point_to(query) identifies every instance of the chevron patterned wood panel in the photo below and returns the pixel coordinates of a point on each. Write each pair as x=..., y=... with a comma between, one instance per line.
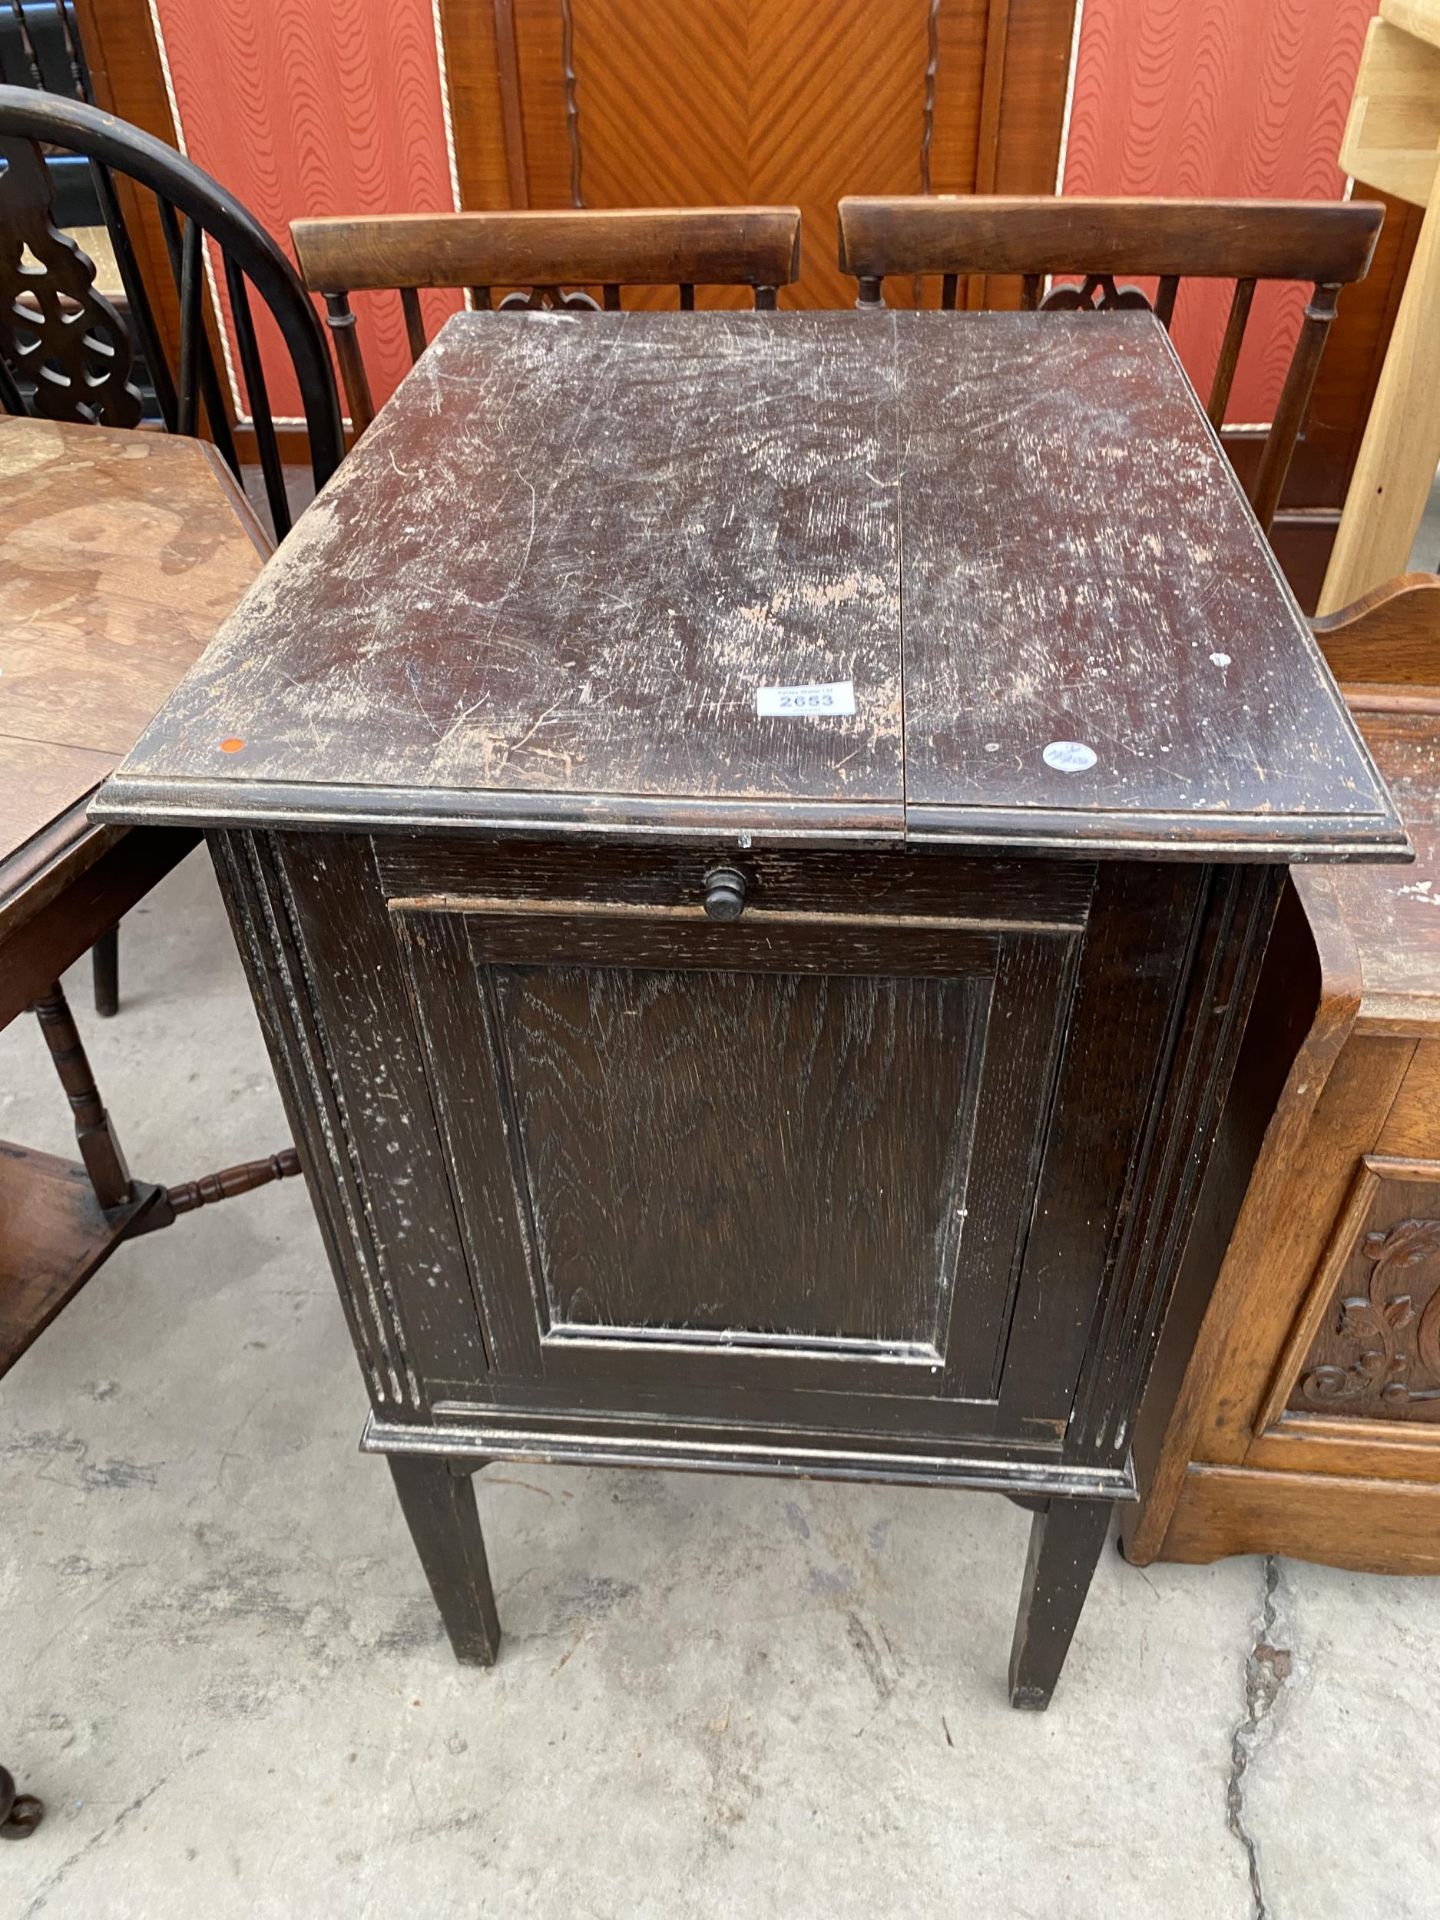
x=635, y=102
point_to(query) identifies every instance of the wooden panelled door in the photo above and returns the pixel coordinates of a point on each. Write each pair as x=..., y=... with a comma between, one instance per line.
x=691, y=1152
x=612, y=103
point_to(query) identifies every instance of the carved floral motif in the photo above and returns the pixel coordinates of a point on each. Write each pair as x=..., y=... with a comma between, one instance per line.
x=1371, y=1326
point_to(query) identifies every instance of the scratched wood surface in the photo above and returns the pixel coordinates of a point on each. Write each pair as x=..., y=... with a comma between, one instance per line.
x=120, y=554
x=1393, y=913
x=648, y=1129
x=560, y=563
x=1080, y=568
x=548, y=583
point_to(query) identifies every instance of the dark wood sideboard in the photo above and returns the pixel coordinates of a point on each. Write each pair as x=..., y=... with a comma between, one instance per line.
x=818, y=1094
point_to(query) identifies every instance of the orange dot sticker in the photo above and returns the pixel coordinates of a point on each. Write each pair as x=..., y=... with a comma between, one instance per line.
x=232, y=745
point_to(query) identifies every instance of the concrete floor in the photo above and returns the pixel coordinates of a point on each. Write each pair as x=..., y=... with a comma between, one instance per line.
x=716, y=1697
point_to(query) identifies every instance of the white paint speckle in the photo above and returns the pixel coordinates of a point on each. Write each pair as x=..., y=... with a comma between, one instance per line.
x=1219, y=659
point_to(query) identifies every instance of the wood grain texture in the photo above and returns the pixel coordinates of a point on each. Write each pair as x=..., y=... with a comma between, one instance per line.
x=1321, y=1352
x=594, y=687
x=1395, y=467
x=1151, y=629
x=399, y=1213
x=121, y=554
x=689, y=105
x=1395, y=918
x=477, y=106
x=755, y=246
x=64, y=889
x=1200, y=239
x=649, y=1105
x=613, y=1180
x=766, y=556
x=984, y=892
x=616, y=1154
x=746, y=100
x=1409, y=1132
x=1392, y=137
x=53, y=1235
x=127, y=78
x=1389, y=636
x=567, y=260
x=1372, y=1526
x=1420, y=17
x=1248, y=243
x=1361, y=1448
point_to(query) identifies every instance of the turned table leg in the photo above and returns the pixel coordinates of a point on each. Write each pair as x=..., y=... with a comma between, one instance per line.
x=99, y=1148
x=439, y=1508
x=105, y=973
x=1065, y=1543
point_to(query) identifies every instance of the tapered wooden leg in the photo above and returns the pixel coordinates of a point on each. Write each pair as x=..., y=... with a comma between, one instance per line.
x=105, y=971
x=1065, y=1543
x=439, y=1507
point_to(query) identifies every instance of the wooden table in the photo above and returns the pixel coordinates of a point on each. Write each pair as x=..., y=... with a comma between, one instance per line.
x=120, y=554
x=694, y=1074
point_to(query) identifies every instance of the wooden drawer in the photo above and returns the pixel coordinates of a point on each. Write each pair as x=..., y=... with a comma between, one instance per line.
x=877, y=882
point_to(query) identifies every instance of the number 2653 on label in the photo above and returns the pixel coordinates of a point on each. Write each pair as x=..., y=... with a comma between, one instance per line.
x=811, y=702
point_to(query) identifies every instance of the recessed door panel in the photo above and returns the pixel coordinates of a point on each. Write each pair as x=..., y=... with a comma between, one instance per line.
x=744, y=1154
x=799, y=1151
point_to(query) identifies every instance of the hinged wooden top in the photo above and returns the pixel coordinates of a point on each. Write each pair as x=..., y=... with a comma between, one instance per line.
x=546, y=588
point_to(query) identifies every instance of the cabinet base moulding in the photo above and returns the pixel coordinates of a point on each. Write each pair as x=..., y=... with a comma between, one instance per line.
x=1368, y=1526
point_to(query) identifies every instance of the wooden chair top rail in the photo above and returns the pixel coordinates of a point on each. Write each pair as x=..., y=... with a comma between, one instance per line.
x=634, y=246
x=1327, y=242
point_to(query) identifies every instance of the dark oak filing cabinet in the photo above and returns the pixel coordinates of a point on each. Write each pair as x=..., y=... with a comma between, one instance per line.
x=753, y=836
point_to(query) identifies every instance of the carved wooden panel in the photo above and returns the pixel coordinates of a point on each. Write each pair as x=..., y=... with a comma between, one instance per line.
x=58, y=335
x=1376, y=1353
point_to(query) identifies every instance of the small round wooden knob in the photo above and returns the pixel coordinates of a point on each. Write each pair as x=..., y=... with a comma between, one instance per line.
x=725, y=893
